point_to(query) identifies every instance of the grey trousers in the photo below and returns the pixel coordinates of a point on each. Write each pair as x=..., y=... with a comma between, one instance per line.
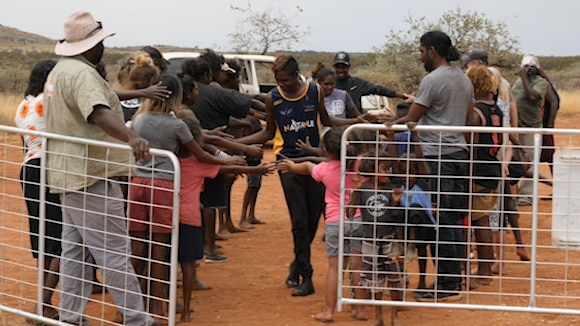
x=94, y=224
x=526, y=189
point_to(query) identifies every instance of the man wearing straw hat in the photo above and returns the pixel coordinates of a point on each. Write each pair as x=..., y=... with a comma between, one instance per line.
x=80, y=103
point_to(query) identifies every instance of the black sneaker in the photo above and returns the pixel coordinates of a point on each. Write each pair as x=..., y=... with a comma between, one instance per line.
x=293, y=279
x=438, y=296
x=291, y=283
x=305, y=288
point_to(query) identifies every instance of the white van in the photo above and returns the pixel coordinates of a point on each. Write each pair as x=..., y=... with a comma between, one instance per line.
x=256, y=75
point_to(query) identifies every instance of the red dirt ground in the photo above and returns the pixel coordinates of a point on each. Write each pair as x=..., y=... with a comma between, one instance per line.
x=249, y=288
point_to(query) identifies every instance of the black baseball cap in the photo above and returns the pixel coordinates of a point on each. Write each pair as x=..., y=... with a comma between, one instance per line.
x=341, y=57
x=476, y=55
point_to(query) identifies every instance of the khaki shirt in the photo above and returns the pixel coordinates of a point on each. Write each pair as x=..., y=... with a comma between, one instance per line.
x=530, y=112
x=73, y=89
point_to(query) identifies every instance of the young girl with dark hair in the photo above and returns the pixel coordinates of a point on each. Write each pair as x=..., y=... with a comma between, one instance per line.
x=30, y=116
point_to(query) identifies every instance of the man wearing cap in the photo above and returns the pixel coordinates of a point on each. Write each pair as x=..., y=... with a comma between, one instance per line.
x=530, y=92
x=80, y=103
x=357, y=87
x=475, y=58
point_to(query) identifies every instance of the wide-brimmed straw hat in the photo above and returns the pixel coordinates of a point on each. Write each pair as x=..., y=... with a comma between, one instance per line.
x=81, y=33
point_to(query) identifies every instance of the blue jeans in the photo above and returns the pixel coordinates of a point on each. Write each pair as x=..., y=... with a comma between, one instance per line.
x=449, y=187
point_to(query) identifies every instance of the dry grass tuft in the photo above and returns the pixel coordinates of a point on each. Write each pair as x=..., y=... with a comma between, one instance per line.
x=569, y=104
x=8, y=105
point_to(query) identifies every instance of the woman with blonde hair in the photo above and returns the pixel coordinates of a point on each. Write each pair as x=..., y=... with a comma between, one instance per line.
x=151, y=190
x=507, y=211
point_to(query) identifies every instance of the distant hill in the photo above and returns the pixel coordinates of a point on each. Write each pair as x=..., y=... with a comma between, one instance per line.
x=13, y=35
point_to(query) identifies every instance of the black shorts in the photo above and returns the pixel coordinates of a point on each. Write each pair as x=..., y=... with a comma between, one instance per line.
x=190, y=243
x=254, y=179
x=214, y=192
x=30, y=180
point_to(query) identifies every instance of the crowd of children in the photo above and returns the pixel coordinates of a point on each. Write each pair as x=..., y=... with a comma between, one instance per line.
x=391, y=216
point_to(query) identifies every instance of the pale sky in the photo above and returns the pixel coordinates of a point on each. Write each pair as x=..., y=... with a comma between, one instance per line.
x=543, y=27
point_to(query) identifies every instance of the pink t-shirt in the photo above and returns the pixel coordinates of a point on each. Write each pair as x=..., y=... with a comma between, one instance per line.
x=329, y=174
x=192, y=174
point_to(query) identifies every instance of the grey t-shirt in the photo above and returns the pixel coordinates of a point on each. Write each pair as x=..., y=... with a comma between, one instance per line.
x=447, y=93
x=163, y=131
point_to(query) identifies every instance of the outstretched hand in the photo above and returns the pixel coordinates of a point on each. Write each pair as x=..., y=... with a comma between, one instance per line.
x=305, y=146
x=235, y=160
x=157, y=92
x=219, y=131
x=397, y=194
x=267, y=168
x=357, y=180
x=255, y=150
x=140, y=148
x=285, y=165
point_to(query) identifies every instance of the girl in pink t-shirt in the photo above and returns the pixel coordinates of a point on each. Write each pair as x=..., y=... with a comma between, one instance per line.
x=193, y=173
x=328, y=173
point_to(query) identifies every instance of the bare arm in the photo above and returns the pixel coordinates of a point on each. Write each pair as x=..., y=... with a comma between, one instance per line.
x=416, y=111
x=206, y=157
x=551, y=98
x=356, y=185
x=531, y=93
x=265, y=134
x=392, y=149
x=473, y=119
x=264, y=169
x=103, y=117
x=304, y=168
x=157, y=91
x=422, y=166
x=250, y=150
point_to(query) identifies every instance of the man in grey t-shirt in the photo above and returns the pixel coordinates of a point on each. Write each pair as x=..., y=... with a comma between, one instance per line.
x=445, y=98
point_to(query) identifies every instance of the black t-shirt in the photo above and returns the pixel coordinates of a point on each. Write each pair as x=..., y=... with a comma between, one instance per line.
x=487, y=166
x=378, y=215
x=357, y=88
x=214, y=105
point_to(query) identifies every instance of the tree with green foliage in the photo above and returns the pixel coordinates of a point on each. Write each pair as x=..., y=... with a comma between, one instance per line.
x=468, y=31
x=259, y=31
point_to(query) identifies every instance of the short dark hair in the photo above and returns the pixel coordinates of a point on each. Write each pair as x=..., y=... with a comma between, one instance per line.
x=372, y=159
x=235, y=65
x=331, y=141
x=188, y=84
x=214, y=59
x=285, y=63
x=195, y=67
x=38, y=76
x=441, y=43
x=323, y=73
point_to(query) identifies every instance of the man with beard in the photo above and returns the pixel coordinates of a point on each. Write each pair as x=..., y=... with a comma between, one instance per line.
x=80, y=103
x=358, y=87
x=445, y=98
